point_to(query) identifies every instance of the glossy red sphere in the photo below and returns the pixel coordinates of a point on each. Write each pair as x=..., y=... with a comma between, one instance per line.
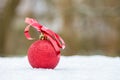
x=41, y=54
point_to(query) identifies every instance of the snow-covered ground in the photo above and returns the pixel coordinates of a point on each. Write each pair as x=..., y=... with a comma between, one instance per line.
x=69, y=68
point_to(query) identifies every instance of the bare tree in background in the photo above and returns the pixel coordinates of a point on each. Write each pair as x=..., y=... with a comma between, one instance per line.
x=99, y=20
x=106, y=12
x=86, y=25
x=68, y=32
x=7, y=14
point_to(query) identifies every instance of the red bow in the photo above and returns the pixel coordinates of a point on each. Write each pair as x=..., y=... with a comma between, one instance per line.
x=54, y=38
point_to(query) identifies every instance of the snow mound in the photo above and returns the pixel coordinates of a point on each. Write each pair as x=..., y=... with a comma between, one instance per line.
x=69, y=68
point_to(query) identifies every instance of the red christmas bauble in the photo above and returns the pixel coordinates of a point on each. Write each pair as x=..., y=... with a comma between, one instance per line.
x=41, y=54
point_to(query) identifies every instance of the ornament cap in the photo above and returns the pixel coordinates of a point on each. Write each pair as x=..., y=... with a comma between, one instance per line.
x=42, y=36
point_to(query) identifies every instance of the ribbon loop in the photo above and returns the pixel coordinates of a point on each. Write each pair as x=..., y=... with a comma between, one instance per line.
x=54, y=38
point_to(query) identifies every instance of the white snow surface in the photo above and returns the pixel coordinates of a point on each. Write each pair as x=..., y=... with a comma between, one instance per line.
x=69, y=68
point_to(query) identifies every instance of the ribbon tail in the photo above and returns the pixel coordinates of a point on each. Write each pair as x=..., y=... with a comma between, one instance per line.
x=54, y=44
x=60, y=41
x=26, y=32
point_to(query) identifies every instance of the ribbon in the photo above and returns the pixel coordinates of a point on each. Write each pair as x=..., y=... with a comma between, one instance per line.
x=54, y=38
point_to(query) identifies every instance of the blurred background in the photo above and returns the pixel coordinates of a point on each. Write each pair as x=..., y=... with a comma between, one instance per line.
x=89, y=27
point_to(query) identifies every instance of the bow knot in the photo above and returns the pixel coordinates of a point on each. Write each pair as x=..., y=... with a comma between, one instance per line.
x=54, y=38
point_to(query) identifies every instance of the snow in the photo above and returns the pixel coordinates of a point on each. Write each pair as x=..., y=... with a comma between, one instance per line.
x=69, y=68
